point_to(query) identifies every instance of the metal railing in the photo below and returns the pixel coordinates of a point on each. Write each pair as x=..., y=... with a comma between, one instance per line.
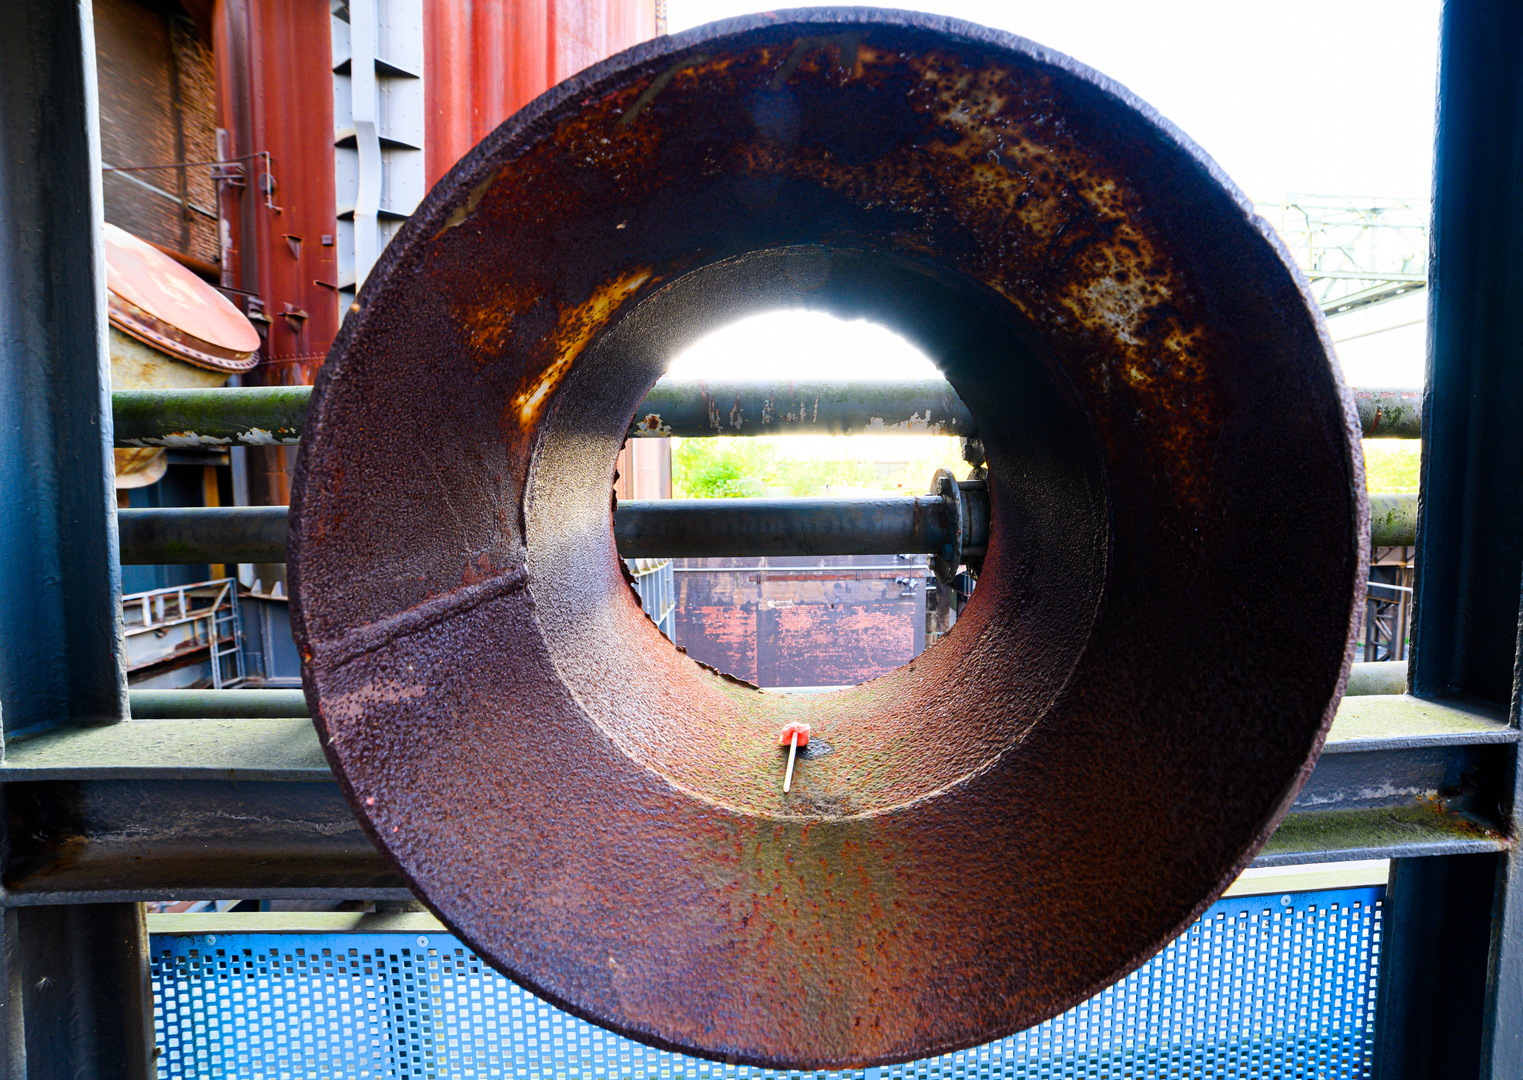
x=168, y=628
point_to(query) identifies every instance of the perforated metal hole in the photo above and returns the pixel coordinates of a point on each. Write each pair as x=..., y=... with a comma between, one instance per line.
x=1259, y=987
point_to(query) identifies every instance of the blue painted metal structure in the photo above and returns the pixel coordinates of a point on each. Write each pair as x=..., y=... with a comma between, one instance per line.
x=74, y=978
x=1455, y=1005
x=1265, y=986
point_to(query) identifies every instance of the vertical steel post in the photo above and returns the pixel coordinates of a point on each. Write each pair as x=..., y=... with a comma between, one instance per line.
x=1455, y=922
x=60, y=633
x=75, y=996
x=88, y=1003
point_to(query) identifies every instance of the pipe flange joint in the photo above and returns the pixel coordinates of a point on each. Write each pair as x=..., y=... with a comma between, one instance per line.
x=944, y=563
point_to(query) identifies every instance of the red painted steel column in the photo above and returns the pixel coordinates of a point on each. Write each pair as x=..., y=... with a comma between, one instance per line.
x=275, y=80
x=484, y=61
x=292, y=110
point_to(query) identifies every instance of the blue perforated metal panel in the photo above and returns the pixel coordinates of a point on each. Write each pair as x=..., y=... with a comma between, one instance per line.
x=1260, y=987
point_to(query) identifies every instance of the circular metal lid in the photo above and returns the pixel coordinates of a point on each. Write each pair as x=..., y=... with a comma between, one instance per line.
x=161, y=303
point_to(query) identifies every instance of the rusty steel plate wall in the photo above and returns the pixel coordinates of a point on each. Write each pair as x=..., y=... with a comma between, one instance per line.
x=1028, y=810
x=823, y=620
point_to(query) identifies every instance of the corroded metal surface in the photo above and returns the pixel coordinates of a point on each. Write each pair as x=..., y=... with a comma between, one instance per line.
x=1393, y=520
x=1009, y=823
x=156, y=300
x=829, y=621
x=245, y=415
x=686, y=409
x=1390, y=414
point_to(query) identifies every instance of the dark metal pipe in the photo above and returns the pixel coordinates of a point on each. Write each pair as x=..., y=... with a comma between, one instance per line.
x=676, y=528
x=695, y=528
x=667, y=528
x=224, y=534
x=262, y=415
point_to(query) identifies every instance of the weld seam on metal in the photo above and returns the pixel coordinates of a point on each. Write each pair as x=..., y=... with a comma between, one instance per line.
x=415, y=620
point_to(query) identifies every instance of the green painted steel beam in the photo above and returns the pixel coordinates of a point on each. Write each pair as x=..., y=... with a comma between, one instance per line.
x=249, y=807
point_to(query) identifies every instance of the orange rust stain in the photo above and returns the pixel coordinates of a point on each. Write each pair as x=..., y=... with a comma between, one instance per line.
x=1063, y=236
x=480, y=570
x=658, y=84
x=575, y=328
x=487, y=325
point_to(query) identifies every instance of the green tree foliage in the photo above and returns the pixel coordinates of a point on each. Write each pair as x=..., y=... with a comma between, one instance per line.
x=751, y=468
x=721, y=468
x=1391, y=465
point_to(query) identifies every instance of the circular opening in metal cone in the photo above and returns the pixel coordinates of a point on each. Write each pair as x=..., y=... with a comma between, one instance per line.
x=909, y=734
x=1030, y=809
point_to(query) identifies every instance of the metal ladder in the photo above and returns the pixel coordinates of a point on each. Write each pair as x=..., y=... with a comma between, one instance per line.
x=226, y=637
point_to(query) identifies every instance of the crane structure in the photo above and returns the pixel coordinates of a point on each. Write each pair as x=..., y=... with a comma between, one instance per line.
x=1357, y=250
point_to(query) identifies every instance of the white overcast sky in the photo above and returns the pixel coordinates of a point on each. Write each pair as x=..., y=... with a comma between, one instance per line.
x=1330, y=97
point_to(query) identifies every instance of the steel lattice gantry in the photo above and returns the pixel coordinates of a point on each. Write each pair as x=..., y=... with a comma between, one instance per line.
x=101, y=813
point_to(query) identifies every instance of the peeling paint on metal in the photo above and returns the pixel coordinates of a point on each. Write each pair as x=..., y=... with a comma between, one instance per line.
x=916, y=424
x=652, y=427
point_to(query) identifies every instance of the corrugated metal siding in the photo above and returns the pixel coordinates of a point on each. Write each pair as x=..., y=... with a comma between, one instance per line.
x=488, y=59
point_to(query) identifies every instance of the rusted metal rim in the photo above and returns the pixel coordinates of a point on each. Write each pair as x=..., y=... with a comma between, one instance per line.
x=1004, y=826
x=140, y=324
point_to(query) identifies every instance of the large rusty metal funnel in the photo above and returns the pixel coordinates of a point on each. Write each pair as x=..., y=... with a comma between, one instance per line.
x=975, y=841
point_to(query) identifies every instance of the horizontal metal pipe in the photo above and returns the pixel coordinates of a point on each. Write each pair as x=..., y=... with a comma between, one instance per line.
x=675, y=528
x=196, y=534
x=666, y=528
x=239, y=703
x=1365, y=680
x=695, y=528
x=263, y=415
x=1390, y=414
x=234, y=415
x=253, y=703
x=1393, y=520
x=698, y=408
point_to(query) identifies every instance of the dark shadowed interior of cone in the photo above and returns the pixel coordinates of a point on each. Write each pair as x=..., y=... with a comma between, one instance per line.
x=999, y=829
